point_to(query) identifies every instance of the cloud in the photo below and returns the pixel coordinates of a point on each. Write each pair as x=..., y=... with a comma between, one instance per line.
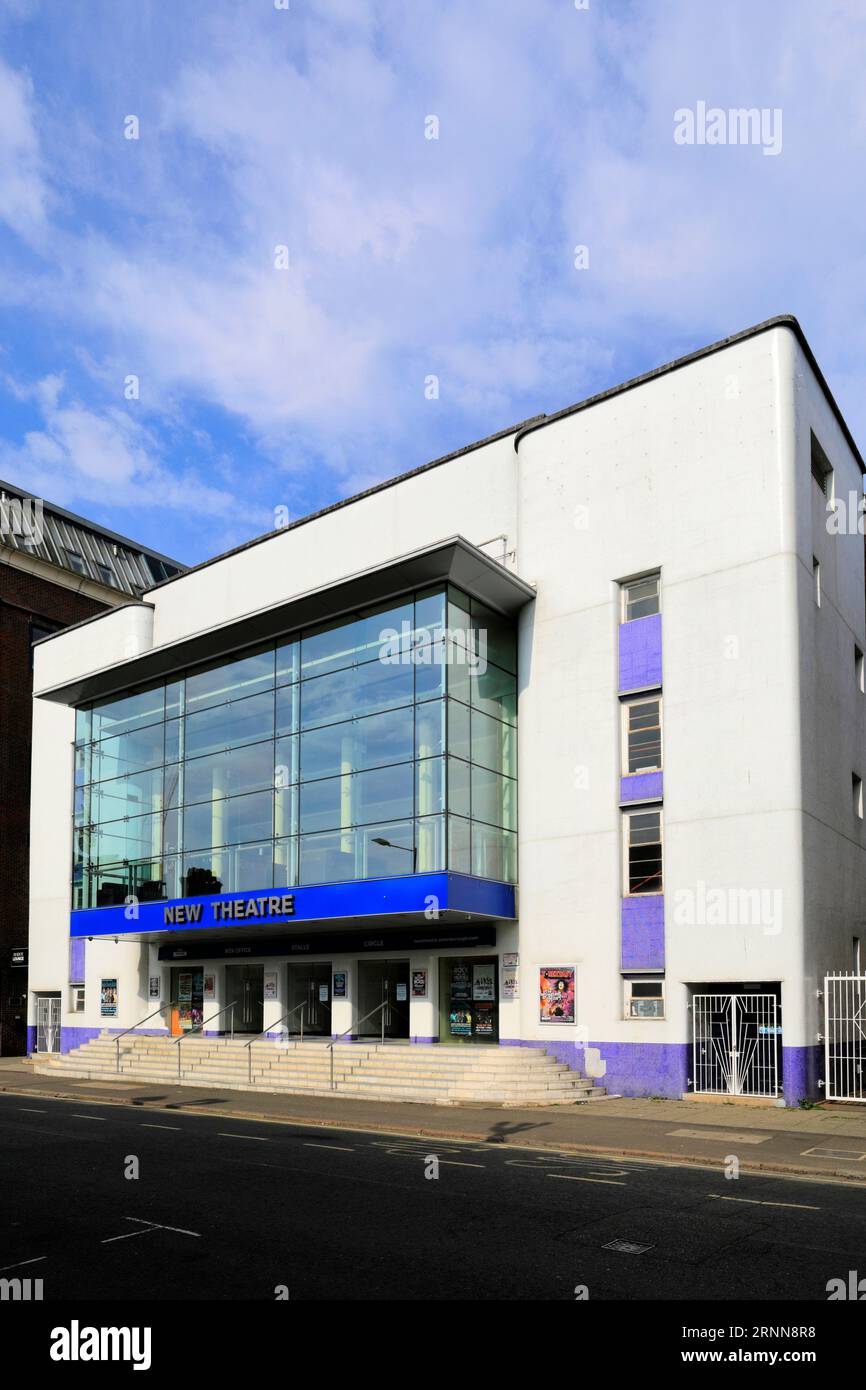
x=23, y=194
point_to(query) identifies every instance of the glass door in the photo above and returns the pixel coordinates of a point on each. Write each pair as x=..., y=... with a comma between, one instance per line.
x=245, y=985
x=187, y=992
x=310, y=999
x=468, y=1000
x=383, y=982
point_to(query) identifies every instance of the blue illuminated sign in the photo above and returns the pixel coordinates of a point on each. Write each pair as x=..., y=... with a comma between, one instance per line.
x=429, y=895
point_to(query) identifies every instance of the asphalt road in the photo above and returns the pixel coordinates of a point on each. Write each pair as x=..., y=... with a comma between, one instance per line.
x=229, y=1209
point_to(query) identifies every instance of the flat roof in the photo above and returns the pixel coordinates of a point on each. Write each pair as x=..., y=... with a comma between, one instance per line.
x=535, y=422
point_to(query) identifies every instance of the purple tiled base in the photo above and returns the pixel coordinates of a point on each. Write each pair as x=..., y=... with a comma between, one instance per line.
x=642, y=933
x=630, y=1069
x=802, y=1068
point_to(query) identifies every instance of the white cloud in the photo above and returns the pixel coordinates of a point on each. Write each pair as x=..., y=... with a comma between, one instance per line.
x=23, y=194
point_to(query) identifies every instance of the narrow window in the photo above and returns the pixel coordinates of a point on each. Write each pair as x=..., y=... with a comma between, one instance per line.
x=76, y=1002
x=640, y=597
x=858, y=960
x=76, y=562
x=816, y=580
x=822, y=469
x=105, y=574
x=858, y=668
x=642, y=735
x=857, y=795
x=644, y=998
x=643, y=852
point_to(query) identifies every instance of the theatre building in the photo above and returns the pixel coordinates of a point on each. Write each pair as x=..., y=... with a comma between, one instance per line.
x=555, y=744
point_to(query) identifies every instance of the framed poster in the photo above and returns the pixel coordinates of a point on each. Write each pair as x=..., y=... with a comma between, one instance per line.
x=483, y=982
x=556, y=994
x=271, y=984
x=209, y=987
x=400, y=992
x=108, y=998
x=510, y=960
x=460, y=1022
x=461, y=981
x=510, y=988
x=341, y=980
x=419, y=984
x=154, y=987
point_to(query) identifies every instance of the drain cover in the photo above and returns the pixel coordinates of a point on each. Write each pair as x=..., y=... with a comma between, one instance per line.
x=627, y=1247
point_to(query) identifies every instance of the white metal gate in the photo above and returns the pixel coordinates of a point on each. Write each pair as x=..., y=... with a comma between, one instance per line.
x=47, y=1023
x=845, y=1037
x=736, y=1044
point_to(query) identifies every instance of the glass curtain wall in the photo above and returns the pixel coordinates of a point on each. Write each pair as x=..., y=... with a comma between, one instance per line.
x=379, y=745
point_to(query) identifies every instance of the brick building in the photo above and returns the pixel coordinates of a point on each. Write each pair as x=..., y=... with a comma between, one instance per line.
x=56, y=569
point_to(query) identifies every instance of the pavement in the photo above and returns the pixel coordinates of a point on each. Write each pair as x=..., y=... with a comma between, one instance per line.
x=827, y=1141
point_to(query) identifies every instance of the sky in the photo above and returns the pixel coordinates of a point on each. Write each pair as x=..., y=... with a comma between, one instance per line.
x=256, y=256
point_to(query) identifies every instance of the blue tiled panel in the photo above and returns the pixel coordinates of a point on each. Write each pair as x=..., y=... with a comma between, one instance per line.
x=640, y=653
x=643, y=932
x=641, y=786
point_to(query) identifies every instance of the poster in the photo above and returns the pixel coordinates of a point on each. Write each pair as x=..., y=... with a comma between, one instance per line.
x=510, y=960
x=483, y=982
x=419, y=984
x=510, y=984
x=154, y=987
x=461, y=1022
x=271, y=984
x=401, y=992
x=209, y=990
x=556, y=994
x=484, y=1016
x=340, y=984
x=108, y=998
x=461, y=981
x=323, y=994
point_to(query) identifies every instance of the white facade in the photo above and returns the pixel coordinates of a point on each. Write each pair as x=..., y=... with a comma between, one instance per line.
x=700, y=473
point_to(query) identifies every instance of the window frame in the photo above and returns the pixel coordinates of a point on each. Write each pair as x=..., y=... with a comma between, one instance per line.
x=626, y=706
x=626, y=584
x=627, y=814
x=628, y=998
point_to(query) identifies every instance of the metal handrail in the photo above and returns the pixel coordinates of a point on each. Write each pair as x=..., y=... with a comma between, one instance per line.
x=199, y=1026
x=351, y=1028
x=170, y=1005
x=248, y=1045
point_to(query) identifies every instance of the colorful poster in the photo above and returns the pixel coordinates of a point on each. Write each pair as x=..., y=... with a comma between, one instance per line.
x=483, y=982
x=210, y=987
x=271, y=984
x=484, y=1021
x=108, y=998
x=556, y=994
x=341, y=981
x=419, y=984
x=510, y=960
x=461, y=981
x=461, y=1022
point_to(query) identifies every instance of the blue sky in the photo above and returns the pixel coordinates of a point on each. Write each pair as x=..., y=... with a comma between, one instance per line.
x=262, y=387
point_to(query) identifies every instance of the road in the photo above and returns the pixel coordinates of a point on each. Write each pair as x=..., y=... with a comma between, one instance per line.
x=233, y=1210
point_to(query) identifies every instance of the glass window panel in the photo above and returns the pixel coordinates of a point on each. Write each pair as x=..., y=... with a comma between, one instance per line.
x=286, y=863
x=457, y=668
x=230, y=680
x=644, y=736
x=171, y=828
x=81, y=806
x=430, y=729
x=204, y=872
x=224, y=726
x=172, y=794
x=363, y=639
x=429, y=661
x=644, y=852
x=230, y=774
x=83, y=724
x=174, y=698
x=394, y=858
x=458, y=729
x=431, y=612
x=357, y=745
x=430, y=837
x=80, y=846
x=493, y=798
x=125, y=712
x=137, y=838
x=362, y=797
x=458, y=787
x=362, y=690
x=494, y=637
x=459, y=846
x=200, y=825
x=249, y=867
x=130, y=752
x=494, y=853
x=287, y=709
x=138, y=794
x=641, y=598
x=288, y=661
x=148, y=882
x=327, y=858
x=247, y=818
x=494, y=692
x=494, y=744
x=83, y=756
x=286, y=761
x=430, y=786
x=325, y=804
x=110, y=885
x=174, y=741
x=286, y=811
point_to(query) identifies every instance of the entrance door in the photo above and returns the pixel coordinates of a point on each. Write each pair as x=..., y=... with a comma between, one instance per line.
x=245, y=984
x=383, y=982
x=187, y=994
x=736, y=1044
x=310, y=999
x=47, y=1022
x=468, y=999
